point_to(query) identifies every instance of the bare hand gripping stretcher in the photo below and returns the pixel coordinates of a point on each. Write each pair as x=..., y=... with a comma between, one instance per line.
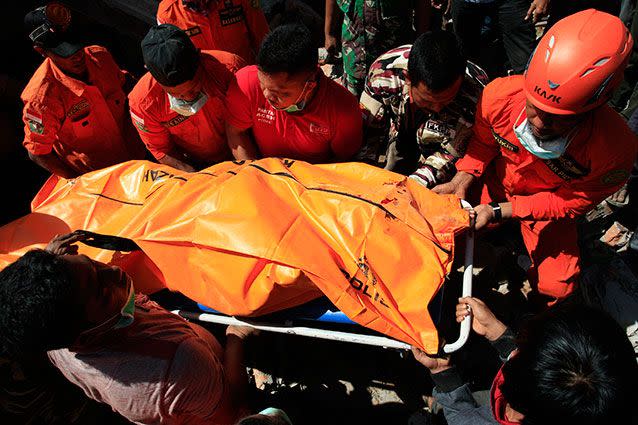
x=250, y=238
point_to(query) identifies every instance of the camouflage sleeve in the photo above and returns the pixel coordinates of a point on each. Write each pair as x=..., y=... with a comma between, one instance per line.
x=375, y=97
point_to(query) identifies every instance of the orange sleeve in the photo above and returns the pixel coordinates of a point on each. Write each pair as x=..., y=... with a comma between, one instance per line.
x=256, y=22
x=482, y=147
x=154, y=135
x=43, y=115
x=609, y=171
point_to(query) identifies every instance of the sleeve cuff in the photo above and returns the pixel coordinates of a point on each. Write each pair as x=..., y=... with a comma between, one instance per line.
x=448, y=380
x=505, y=344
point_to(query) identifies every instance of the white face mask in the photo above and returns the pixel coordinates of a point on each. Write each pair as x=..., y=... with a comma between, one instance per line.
x=544, y=149
x=188, y=107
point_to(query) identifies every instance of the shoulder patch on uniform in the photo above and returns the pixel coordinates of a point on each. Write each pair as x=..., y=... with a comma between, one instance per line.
x=138, y=122
x=615, y=177
x=503, y=142
x=34, y=122
x=255, y=4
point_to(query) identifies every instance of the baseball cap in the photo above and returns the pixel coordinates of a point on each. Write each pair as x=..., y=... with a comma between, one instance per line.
x=170, y=55
x=47, y=27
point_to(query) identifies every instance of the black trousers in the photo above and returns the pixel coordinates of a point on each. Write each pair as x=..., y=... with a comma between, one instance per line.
x=507, y=17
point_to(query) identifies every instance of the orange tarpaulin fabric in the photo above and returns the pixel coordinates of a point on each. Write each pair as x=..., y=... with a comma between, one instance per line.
x=249, y=238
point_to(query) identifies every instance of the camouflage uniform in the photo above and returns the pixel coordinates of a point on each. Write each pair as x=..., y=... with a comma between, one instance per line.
x=411, y=137
x=371, y=27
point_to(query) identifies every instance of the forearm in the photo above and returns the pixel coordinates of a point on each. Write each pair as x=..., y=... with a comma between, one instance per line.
x=241, y=144
x=173, y=160
x=549, y=206
x=52, y=163
x=332, y=19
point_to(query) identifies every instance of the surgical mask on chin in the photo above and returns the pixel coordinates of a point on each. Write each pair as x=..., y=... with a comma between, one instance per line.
x=543, y=149
x=188, y=107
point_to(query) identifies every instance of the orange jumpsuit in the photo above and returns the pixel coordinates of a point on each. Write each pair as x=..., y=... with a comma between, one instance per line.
x=86, y=125
x=547, y=195
x=201, y=136
x=236, y=26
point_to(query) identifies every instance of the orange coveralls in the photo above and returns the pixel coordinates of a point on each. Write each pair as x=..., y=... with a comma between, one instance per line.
x=86, y=125
x=236, y=26
x=201, y=136
x=547, y=195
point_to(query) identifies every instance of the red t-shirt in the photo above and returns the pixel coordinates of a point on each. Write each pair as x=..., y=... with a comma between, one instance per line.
x=330, y=126
x=202, y=136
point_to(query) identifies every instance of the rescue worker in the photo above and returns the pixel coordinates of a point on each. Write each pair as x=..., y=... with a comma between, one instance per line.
x=286, y=107
x=236, y=26
x=178, y=105
x=75, y=110
x=418, y=106
x=547, y=148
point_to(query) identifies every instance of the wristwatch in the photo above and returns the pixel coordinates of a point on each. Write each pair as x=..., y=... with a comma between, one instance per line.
x=498, y=213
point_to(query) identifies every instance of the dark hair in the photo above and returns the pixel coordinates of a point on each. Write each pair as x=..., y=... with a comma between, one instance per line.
x=574, y=365
x=436, y=60
x=37, y=311
x=288, y=48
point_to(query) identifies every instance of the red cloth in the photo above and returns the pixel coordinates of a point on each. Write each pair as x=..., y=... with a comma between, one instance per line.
x=202, y=136
x=547, y=195
x=498, y=401
x=236, y=26
x=330, y=126
x=602, y=154
x=86, y=125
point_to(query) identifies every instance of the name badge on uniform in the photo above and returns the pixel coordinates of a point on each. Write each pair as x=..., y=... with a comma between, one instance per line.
x=231, y=14
x=503, y=142
x=566, y=167
x=193, y=31
x=79, y=110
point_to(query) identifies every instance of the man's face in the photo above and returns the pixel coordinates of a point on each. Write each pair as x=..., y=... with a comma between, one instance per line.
x=283, y=90
x=74, y=64
x=424, y=98
x=101, y=290
x=546, y=126
x=187, y=91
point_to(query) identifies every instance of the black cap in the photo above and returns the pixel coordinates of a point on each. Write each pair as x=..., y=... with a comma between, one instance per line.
x=49, y=35
x=170, y=55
